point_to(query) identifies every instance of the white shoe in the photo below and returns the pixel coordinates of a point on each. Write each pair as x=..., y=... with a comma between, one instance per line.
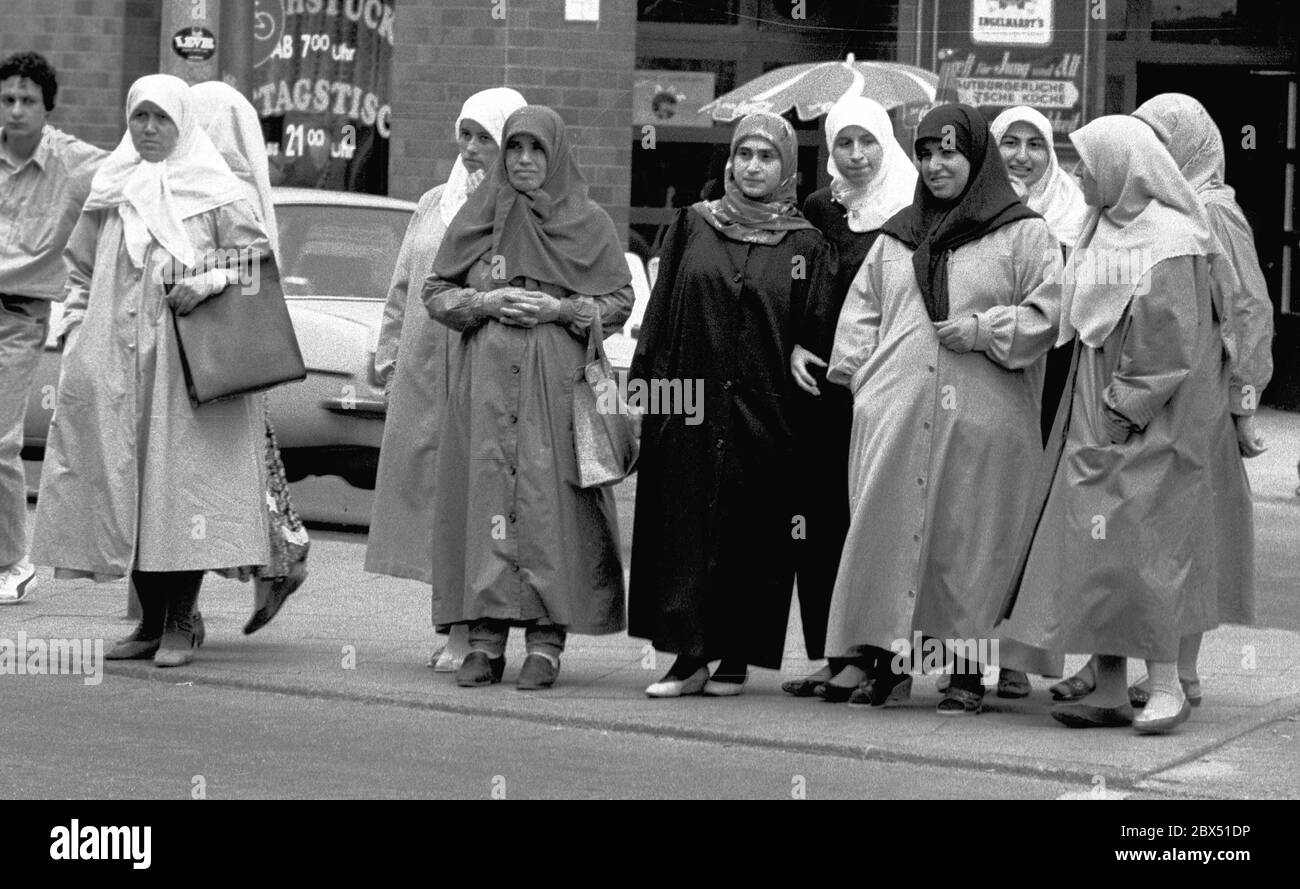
x=675, y=688
x=17, y=582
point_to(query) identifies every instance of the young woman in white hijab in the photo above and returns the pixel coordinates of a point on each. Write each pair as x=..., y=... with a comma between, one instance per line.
x=413, y=361
x=1123, y=554
x=232, y=124
x=872, y=178
x=136, y=479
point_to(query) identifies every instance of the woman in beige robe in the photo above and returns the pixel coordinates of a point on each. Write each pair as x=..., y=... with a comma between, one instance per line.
x=414, y=360
x=137, y=479
x=941, y=339
x=1123, y=555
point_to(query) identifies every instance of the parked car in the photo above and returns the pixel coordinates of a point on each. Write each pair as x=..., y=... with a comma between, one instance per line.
x=338, y=250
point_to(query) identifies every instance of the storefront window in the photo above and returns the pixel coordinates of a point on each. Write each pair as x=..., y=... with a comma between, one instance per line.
x=691, y=12
x=1227, y=22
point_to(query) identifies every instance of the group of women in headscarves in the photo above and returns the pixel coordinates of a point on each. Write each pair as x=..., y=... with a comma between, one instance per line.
x=877, y=391
x=927, y=359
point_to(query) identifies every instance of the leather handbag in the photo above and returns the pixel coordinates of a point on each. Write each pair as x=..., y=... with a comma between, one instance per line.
x=240, y=340
x=603, y=436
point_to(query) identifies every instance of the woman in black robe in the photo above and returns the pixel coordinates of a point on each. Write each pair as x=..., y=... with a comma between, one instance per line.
x=742, y=281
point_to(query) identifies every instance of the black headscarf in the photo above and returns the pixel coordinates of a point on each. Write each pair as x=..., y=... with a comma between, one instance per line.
x=932, y=227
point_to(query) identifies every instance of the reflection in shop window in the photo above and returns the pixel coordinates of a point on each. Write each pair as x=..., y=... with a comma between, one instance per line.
x=1228, y=22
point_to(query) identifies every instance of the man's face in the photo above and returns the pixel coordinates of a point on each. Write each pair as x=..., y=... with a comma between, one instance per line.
x=22, y=108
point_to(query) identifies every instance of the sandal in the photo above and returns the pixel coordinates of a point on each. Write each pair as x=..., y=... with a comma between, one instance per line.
x=1071, y=689
x=960, y=702
x=880, y=692
x=1140, y=692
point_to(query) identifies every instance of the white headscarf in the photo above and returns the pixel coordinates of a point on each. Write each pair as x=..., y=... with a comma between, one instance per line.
x=1055, y=196
x=1148, y=213
x=232, y=124
x=489, y=109
x=893, y=184
x=153, y=199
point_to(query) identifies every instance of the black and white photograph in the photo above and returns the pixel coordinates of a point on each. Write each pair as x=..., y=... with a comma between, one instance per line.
x=651, y=400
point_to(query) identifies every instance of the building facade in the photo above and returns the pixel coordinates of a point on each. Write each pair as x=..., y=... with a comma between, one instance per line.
x=620, y=70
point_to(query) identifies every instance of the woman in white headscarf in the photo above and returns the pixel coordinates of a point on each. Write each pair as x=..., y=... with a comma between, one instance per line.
x=412, y=358
x=1024, y=137
x=1185, y=128
x=136, y=478
x=1123, y=554
x=872, y=178
x=232, y=124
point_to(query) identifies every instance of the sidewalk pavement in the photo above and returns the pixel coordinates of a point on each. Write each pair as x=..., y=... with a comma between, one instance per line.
x=348, y=635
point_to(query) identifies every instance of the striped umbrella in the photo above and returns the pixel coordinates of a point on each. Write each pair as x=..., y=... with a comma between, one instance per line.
x=812, y=88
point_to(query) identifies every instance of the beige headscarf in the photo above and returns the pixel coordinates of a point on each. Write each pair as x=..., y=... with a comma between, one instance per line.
x=154, y=199
x=489, y=109
x=891, y=188
x=232, y=124
x=1148, y=213
x=1056, y=196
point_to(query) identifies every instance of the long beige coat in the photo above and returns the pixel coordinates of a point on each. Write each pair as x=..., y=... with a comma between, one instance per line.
x=942, y=441
x=1123, y=559
x=412, y=359
x=135, y=477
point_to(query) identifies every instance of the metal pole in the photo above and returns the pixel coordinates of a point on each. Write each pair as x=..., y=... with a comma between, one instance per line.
x=188, y=39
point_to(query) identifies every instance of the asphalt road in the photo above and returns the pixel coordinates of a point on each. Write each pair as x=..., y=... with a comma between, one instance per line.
x=234, y=743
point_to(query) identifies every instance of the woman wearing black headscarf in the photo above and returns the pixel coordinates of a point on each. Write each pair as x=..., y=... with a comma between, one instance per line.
x=743, y=282
x=941, y=340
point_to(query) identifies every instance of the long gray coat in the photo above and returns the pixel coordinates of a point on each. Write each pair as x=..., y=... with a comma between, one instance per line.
x=135, y=477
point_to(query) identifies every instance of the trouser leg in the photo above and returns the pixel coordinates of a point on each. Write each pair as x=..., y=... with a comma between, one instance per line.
x=545, y=639
x=23, y=325
x=489, y=637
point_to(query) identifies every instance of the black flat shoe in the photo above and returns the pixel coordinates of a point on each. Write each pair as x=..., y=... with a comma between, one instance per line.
x=1076, y=715
x=479, y=669
x=801, y=688
x=538, y=672
x=880, y=692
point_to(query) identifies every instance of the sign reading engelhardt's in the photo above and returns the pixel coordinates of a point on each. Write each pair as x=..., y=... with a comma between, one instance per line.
x=995, y=54
x=322, y=75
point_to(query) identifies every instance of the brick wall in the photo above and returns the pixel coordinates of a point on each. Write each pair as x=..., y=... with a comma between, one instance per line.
x=98, y=47
x=447, y=50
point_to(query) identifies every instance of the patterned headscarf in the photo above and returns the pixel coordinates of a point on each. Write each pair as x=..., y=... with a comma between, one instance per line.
x=765, y=221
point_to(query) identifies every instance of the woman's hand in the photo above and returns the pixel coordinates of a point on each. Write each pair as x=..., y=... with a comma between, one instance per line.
x=189, y=291
x=800, y=358
x=1116, y=426
x=957, y=334
x=1249, y=442
x=498, y=305
x=533, y=306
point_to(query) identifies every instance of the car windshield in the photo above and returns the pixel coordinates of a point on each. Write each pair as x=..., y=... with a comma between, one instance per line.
x=333, y=250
